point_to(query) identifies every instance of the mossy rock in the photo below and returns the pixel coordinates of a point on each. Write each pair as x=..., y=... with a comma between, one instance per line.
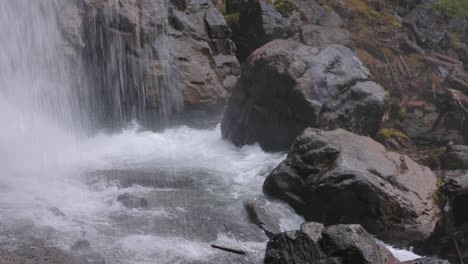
x=232, y=20
x=394, y=139
x=452, y=8
x=284, y=7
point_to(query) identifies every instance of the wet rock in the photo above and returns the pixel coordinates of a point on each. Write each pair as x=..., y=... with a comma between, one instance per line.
x=260, y=213
x=131, y=201
x=56, y=211
x=313, y=230
x=352, y=244
x=260, y=22
x=455, y=157
x=428, y=27
x=286, y=87
x=340, y=177
x=160, y=179
x=336, y=244
x=144, y=47
x=427, y=261
x=293, y=247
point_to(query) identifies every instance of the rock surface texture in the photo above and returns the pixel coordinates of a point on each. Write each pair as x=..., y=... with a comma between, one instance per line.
x=339, y=177
x=319, y=245
x=148, y=60
x=287, y=86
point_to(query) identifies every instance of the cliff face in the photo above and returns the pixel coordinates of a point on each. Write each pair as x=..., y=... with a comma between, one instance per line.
x=150, y=59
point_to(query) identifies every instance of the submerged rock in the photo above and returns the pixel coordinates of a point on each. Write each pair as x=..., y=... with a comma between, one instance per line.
x=335, y=244
x=131, y=201
x=261, y=214
x=340, y=177
x=37, y=252
x=286, y=87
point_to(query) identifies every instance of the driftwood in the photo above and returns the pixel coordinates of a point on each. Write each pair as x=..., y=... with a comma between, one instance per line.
x=447, y=58
x=405, y=65
x=230, y=250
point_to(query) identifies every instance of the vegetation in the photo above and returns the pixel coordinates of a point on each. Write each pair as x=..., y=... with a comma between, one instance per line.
x=452, y=8
x=232, y=19
x=284, y=7
x=386, y=133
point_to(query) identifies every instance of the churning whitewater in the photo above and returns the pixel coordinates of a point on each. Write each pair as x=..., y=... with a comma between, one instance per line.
x=132, y=196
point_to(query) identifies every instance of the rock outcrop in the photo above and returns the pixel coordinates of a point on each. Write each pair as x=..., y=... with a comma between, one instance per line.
x=339, y=177
x=286, y=87
x=316, y=244
x=146, y=60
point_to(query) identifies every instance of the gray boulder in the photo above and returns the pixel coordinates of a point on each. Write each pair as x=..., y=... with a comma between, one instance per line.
x=339, y=244
x=340, y=177
x=427, y=261
x=286, y=87
x=150, y=61
x=318, y=36
x=428, y=28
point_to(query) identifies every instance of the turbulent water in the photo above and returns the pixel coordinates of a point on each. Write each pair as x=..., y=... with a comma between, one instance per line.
x=61, y=186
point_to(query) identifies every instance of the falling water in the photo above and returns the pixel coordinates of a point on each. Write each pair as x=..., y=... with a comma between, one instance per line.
x=60, y=185
x=130, y=63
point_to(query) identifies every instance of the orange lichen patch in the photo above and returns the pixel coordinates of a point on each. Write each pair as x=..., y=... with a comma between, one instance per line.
x=415, y=104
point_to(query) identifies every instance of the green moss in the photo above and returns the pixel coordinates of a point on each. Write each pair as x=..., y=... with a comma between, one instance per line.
x=397, y=112
x=452, y=8
x=386, y=133
x=284, y=7
x=439, y=198
x=232, y=19
x=362, y=7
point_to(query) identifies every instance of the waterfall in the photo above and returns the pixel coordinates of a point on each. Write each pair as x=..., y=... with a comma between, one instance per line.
x=37, y=99
x=129, y=62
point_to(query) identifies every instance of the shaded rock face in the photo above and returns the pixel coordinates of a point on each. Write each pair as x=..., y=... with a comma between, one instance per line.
x=260, y=22
x=339, y=177
x=131, y=201
x=336, y=244
x=286, y=87
x=455, y=158
x=148, y=61
x=261, y=215
x=428, y=28
x=427, y=261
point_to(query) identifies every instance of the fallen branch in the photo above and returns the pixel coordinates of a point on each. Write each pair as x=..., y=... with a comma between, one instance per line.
x=231, y=250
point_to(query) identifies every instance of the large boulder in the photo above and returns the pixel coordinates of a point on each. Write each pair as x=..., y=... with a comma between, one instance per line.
x=286, y=86
x=315, y=244
x=340, y=177
x=261, y=21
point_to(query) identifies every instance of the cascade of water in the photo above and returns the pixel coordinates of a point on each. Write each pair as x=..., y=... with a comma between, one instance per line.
x=36, y=95
x=131, y=63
